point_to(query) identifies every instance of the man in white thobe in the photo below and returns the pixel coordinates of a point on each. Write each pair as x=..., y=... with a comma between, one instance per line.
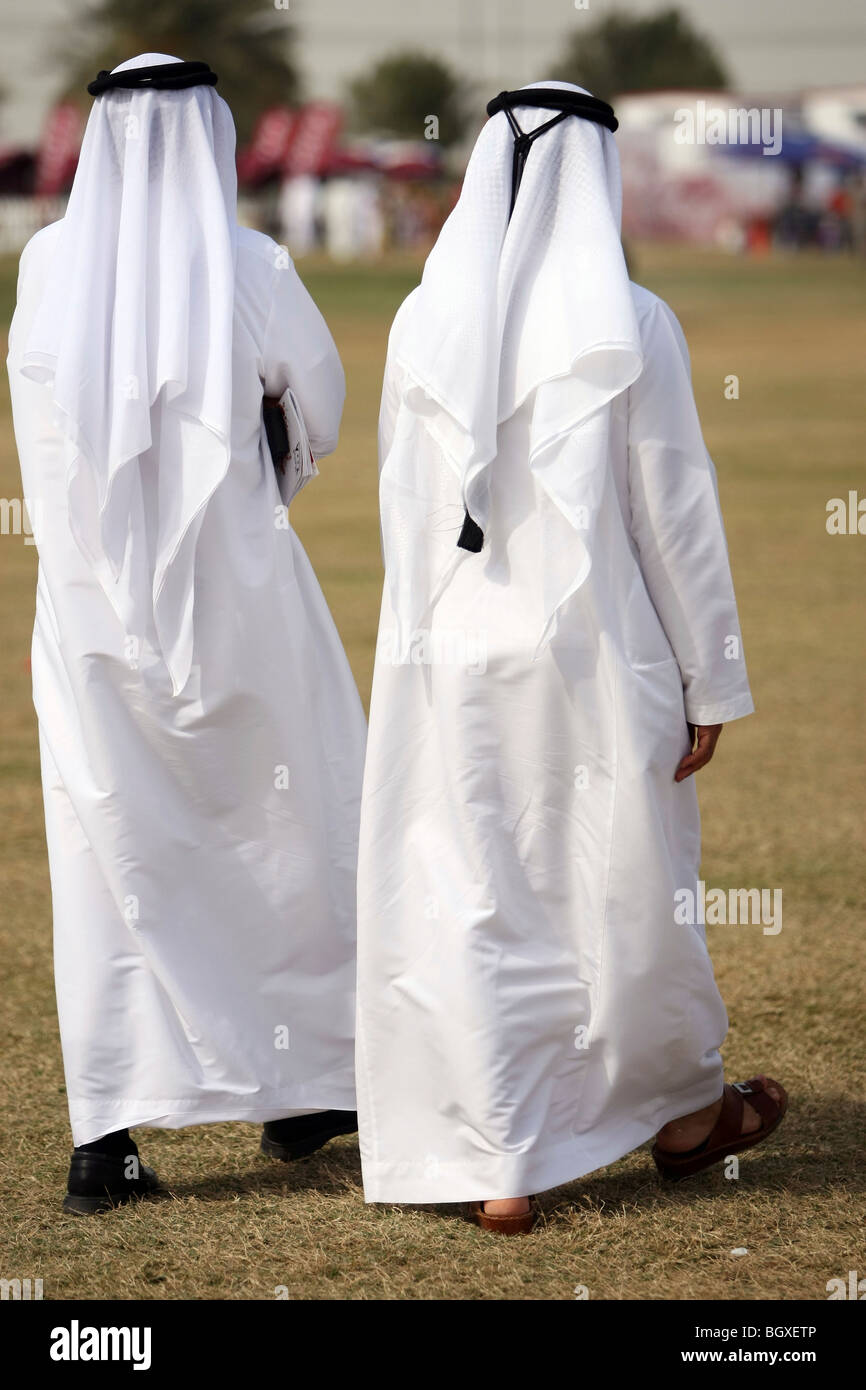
x=201, y=736
x=558, y=626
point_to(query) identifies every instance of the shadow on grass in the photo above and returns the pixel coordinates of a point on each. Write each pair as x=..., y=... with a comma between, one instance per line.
x=815, y=1151
x=332, y=1173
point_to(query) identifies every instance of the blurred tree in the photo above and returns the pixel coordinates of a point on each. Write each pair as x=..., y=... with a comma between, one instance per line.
x=627, y=53
x=402, y=92
x=248, y=43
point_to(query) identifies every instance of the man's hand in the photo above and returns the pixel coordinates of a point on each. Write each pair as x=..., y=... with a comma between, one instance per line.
x=704, y=740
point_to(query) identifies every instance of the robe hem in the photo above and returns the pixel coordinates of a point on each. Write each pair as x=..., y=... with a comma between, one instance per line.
x=521, y=1175
x=216, y=1109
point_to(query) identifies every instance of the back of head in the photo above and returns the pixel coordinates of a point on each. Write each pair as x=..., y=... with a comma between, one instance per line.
x=525, y=302
x=512, y=299
x=134, y=335
x=179, y=128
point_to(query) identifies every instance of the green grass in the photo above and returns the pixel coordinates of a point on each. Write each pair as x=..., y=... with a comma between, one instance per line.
x=781, y=808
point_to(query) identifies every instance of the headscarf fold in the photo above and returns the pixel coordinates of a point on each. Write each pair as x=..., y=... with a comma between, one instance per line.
x=536, y=309
x=134, y=336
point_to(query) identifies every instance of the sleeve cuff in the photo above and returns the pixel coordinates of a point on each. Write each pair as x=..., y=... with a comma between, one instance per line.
x=720, y=713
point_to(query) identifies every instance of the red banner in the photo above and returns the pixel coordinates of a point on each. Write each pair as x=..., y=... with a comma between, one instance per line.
x=266, y=153
x=314, y=140
x=58, y=153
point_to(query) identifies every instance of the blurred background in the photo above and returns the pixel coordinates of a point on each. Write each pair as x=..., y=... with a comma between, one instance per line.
x=354, y=121
x=354, y=125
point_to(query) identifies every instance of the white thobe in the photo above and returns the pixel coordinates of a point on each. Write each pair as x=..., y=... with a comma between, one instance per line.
x=530, y=1009
x=202, y=847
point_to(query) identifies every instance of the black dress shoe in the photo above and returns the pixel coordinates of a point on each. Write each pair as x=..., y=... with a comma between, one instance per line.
x=303, y=1134
x=98, y=1182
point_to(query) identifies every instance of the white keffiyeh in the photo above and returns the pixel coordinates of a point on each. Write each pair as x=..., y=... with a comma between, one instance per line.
x=134, y=337
x=539, y=307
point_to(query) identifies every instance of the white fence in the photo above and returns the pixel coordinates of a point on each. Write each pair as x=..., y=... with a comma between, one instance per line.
x=21, y=217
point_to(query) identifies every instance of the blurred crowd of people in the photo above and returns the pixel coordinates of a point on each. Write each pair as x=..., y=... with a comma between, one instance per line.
x=355, y=216
x=837, y=223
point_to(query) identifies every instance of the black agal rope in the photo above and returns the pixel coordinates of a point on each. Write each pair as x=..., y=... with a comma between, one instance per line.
x=557, y=99
x=565, y=103
x=171, y=77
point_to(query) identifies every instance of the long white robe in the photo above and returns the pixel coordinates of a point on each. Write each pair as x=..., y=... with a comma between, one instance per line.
x=529, y=1008
x=202, y=846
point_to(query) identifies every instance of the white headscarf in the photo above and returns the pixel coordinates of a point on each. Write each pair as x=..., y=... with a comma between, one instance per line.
x=134, y=334
x=539, y=307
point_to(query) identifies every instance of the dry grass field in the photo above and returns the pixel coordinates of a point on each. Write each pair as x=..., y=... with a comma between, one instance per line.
x=782, y=808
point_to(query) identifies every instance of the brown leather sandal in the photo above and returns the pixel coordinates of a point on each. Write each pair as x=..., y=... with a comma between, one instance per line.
x=519, y=1225
x=726, y=1136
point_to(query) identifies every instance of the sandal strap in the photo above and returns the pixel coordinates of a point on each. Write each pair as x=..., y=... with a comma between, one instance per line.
x=759, y=1098
x=730, y=1121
